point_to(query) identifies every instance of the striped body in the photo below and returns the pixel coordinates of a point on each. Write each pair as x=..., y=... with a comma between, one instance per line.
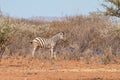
x=48, y=43
x=41, y=42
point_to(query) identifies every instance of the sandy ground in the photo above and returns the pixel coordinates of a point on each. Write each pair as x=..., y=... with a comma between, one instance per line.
x=19, y=68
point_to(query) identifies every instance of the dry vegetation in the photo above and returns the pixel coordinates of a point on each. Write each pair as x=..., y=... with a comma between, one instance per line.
x=87, y=36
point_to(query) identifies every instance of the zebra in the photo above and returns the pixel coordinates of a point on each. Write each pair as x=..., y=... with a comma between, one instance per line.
x=47, y=43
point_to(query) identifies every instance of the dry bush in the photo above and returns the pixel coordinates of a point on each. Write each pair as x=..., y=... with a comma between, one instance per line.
x=81, y=32
x=5, y=33
x=88, y=53
x=108, y=56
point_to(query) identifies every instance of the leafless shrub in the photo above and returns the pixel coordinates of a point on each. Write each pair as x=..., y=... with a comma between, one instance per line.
x=87, y=55
x=81, y=32
x=108, y=56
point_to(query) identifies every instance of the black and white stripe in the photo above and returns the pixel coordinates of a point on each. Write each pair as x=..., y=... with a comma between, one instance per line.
x=50, y=43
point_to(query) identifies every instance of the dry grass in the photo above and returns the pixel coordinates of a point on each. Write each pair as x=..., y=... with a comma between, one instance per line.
x=82, y=32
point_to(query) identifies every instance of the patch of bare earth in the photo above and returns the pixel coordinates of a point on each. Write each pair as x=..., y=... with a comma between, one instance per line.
x=19, y=68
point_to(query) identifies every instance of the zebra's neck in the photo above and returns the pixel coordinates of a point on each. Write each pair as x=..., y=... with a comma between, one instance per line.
x=55, y=38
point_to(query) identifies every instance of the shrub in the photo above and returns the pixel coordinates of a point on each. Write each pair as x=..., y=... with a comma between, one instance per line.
x=108, y=56
x=81, y=32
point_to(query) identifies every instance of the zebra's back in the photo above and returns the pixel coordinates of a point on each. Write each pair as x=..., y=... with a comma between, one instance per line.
x=41, y=42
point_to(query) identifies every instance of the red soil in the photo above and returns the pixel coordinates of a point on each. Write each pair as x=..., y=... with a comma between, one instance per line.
x=19, y=68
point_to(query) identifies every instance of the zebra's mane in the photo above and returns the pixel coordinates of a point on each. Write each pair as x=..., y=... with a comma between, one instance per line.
x=56, y=37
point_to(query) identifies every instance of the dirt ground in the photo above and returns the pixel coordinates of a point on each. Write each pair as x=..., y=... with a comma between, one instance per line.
x=19, y=68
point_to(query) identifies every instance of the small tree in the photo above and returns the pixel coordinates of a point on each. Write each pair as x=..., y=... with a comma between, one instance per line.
x=112, y=7
x=5, y=33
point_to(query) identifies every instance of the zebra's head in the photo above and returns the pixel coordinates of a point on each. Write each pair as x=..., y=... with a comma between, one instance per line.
x=61, y=35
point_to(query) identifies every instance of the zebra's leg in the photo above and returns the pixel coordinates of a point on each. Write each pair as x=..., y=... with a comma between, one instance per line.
x=30, y=59
x=51, y=53
x=54, y=55
x=34, y=49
